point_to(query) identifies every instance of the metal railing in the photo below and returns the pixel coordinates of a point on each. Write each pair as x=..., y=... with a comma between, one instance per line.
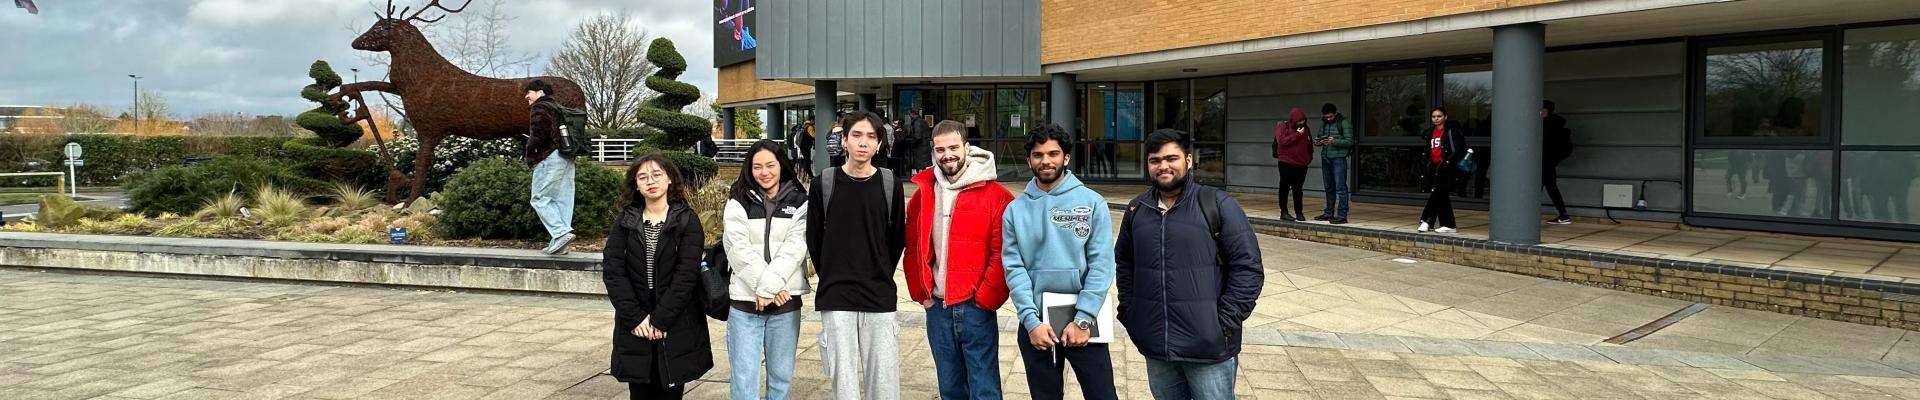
x=605, y=150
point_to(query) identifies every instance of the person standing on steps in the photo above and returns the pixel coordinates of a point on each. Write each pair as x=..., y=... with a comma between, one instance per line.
x=856, y=232
x=1292, y=145
x=1336, y=139
x=953, y=262
x=1058, y=238
x=1189, y=272
x=552, y=192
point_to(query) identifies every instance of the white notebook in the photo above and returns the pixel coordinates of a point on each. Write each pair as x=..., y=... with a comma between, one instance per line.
x=1057, y=310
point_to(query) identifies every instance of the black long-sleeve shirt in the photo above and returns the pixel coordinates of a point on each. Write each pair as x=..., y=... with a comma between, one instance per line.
x=856, y=242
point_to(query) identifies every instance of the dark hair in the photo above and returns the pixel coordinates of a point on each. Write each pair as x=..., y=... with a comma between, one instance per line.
x=946, y=127
x=676, y=189
x=745, y=183
x=1441, y=109
x=1047, y=131
x=1159, y=139
x=541, y=86
x=1328, y=108
x=847, y=121
x=1547, y=104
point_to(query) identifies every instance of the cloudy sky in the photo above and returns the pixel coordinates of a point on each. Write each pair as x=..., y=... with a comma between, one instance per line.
x=251, y=56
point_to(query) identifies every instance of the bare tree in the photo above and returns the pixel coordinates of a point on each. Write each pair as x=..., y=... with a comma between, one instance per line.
x=153, y=107
x=608, y=57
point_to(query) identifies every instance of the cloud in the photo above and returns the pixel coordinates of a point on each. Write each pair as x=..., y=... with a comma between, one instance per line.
x=251, y=56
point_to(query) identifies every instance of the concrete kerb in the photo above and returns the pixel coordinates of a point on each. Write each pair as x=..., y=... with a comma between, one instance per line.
x=421, y=266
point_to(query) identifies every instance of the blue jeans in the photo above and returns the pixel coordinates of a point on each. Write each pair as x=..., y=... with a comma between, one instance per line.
x=1333, y=172
x=966, y=350
x=752, y=338
x=1182, y=381
x=553, y=194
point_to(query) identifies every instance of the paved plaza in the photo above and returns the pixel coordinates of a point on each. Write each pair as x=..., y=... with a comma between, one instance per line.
x=1332, y=323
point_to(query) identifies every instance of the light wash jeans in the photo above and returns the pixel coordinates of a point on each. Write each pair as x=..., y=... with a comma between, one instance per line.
x=553, y=194
x=1182, y=381
x=854, y=341
x=752, y=338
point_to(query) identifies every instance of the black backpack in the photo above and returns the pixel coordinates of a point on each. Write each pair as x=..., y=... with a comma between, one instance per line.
x=1209, y=207
x=573, y=141
x=715, y=275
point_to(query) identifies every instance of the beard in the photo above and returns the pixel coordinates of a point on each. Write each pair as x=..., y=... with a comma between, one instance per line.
x=951, y=171
x=1177, y=182
x=1046, y=179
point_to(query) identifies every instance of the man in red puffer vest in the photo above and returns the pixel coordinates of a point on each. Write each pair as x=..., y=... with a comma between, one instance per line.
x=953, y=262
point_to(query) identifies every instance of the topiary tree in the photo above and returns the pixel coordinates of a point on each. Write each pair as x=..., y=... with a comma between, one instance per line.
x=324, y=120
x=663, y=111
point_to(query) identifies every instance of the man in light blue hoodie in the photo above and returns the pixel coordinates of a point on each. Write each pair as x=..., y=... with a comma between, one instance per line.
x=1057, y=237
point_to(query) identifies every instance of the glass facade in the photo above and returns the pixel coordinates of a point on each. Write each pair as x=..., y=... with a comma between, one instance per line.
x=1882, y=82
x=1764, y=90
x=1112, y=125
x=1773, y=183
x=1395, y=102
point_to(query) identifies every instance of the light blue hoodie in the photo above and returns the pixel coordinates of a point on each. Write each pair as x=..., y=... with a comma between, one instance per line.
x=1058, y=241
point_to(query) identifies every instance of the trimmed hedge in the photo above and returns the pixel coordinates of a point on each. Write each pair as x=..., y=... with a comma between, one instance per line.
x=489, y=199
x=112, y=159
x=184, y=189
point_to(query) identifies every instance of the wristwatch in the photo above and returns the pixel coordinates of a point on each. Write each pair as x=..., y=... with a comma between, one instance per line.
x=1083, y=324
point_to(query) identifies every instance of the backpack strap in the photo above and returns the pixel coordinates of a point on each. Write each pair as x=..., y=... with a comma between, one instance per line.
x=826, y=184
x=886, y=182
x=1209, y=203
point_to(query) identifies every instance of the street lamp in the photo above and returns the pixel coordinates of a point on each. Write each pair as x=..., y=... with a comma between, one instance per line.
x=136, y=103
x=356, y=74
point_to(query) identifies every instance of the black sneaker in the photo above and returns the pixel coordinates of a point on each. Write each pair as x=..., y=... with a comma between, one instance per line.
x=1323, y=217
x=1337, y=221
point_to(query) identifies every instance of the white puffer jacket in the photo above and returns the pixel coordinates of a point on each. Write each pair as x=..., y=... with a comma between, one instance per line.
x=767, y=243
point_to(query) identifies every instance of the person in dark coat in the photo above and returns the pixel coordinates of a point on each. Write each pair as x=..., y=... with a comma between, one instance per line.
x=1558, y=141
x=651, y=268
x=1292, y=145
x=1446, y=146
x=1185, y=291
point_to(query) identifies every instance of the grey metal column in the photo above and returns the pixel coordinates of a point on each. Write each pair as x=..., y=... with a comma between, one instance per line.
x=1063, y=104
x=776, y=122
x=867, y=100
x=726, y=123
x=1518, y=52
x=824, y=92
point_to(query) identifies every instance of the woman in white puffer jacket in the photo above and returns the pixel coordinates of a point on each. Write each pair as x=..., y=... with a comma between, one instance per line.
x=766, y=243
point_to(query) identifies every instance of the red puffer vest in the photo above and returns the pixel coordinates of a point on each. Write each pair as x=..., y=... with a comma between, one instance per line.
x=974, y=271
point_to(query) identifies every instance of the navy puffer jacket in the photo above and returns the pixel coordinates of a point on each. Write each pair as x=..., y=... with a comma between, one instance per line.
x=1179, y=300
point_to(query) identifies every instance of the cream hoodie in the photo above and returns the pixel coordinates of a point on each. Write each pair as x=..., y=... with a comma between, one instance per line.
x=975, y=167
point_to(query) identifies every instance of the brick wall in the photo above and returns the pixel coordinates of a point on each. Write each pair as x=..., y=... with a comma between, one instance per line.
x=1843, y=299
x=738, y=83
x=1082, y=29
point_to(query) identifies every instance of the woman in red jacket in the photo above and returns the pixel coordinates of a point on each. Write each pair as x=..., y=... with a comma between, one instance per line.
x=1293, y=147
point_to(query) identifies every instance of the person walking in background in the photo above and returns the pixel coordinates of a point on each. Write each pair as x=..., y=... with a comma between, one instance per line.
x=766, y=242
x=953, y=262
x=651, y=268
x=861, y=206
x=1057, y=237
x=1189, y=272
x=552, y=192
x=803, y=135
x=1292, y=145
x=1336, y=140
x=1446, y=146
x=1558, y=141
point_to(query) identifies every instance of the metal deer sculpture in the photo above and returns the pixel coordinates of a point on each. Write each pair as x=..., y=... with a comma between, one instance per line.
x=441, y=98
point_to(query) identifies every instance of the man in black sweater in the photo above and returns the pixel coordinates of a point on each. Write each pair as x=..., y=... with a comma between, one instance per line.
x=1558, y=141
x=860, y=206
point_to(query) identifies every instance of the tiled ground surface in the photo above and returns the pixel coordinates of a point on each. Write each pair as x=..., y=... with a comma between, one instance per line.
x=1332, y=323
x=1892, y=259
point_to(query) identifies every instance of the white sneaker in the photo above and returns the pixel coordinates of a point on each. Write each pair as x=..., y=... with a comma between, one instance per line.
x=1444, y=230
x=1561, y=221
x=1423, y=227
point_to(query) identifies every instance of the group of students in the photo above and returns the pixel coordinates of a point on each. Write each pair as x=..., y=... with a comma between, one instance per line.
x=1447, y=157
x=1183, y=274
x=903, y=144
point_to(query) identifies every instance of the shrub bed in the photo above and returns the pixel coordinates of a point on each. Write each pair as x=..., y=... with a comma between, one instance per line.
x=489, y=200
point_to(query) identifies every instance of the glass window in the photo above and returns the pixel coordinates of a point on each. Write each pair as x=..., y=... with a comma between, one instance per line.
x=1879, y=186
x=970, y=107
x=1468, y=96
x=1395, y=169
x=1211, y=166
x=1016, y=110
x=1210, y=110
x=1396, y=101
x=1784, y=183
x=1108, y=160
x=1011, y=156
x=1170, y=106
x=1762, y=90
x=1882, y=80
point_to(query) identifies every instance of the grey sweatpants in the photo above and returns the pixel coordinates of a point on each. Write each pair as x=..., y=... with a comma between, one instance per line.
x=852, y=341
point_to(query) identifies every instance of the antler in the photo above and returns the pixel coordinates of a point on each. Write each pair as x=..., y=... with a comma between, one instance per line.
x=436, y=4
